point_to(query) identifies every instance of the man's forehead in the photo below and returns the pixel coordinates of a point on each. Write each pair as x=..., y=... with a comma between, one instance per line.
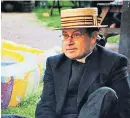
x=74, y=29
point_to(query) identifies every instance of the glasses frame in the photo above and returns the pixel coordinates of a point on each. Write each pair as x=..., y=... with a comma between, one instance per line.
x=72, y=36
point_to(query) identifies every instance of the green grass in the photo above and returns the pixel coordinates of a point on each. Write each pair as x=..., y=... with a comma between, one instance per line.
x=26, y=107
x=52, y=21
x=113, y=39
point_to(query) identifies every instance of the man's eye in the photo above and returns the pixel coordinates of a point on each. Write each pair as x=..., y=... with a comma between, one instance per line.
x=65, y=35
x=76, y=34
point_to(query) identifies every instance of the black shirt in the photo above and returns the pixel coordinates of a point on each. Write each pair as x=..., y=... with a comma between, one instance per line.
x=70, y=109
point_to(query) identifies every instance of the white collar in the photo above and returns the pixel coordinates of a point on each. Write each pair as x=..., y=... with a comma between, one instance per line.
x=83, y=59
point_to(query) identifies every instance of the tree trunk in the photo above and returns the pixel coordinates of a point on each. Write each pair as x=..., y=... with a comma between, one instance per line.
x=124, y=46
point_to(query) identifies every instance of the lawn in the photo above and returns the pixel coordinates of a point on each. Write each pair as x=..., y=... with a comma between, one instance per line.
x=26, y=107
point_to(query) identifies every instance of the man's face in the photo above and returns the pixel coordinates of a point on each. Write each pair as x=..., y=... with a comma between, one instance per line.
x=76, y=43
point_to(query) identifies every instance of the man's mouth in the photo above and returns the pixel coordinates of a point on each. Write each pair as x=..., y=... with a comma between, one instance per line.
x=71, y=49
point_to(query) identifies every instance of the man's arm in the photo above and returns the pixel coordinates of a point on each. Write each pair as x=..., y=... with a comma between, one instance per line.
x=46, y=107
x=121, y=84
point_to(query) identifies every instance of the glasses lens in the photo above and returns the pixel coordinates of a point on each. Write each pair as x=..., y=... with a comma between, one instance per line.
x=76, y=35
x=65, y=36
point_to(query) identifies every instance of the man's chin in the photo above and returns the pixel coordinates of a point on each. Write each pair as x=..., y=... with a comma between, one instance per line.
x=73, y=57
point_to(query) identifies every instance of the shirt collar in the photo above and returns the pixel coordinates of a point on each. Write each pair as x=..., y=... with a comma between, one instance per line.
x=84, y=58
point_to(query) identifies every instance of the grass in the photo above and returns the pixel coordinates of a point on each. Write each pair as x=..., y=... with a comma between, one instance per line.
x=53, y=21
x=113, y=39
x=26, y=107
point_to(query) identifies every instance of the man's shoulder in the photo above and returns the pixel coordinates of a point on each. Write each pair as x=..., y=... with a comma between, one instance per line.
x=57, y=59
x=109, y=58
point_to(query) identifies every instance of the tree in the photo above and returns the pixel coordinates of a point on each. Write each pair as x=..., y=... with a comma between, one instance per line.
x=124, y=46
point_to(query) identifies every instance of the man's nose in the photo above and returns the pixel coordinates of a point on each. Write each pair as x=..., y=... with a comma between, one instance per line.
x=70, y=40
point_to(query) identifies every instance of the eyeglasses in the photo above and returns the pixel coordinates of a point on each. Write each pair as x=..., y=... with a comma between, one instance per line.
x=74, y=36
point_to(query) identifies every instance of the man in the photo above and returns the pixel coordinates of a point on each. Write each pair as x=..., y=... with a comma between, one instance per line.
x=86, y=81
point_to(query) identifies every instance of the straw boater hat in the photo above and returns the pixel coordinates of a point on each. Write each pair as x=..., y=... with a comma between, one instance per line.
x=80, y=18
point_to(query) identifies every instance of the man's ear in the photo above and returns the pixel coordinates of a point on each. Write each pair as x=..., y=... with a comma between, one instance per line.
x=94, y=37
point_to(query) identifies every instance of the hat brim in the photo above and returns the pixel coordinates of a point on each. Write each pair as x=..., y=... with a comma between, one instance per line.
x=72, y=27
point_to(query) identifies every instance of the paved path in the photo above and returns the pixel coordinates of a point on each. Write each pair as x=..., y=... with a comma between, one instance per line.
x=23, y=28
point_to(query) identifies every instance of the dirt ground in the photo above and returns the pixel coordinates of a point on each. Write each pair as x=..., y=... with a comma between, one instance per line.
x=23, y=28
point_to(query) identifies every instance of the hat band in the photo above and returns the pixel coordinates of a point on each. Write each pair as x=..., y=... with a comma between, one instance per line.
x=84, y=20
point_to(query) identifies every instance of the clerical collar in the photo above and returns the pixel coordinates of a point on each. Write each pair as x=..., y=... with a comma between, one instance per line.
x=84, y=58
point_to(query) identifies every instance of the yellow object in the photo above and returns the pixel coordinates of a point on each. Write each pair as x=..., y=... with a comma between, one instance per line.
x=24, y=48
x=9, y=54
x=46, y=14
x=19, y=89
x=20, y=84
x=25, y=82
x=13, y=46
x=41, y=70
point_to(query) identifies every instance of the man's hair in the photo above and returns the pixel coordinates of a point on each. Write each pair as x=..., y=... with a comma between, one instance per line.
x=91, y=30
